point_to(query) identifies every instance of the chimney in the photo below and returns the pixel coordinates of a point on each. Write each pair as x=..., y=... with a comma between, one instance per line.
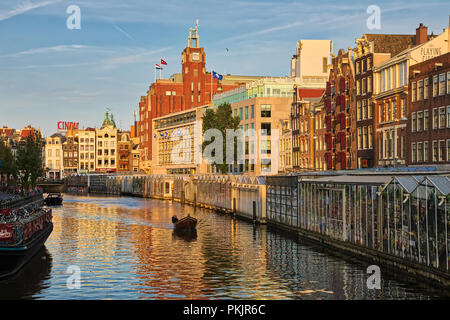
x=421, y=34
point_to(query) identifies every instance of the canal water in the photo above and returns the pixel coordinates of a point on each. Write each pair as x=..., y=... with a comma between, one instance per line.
x=125, y=248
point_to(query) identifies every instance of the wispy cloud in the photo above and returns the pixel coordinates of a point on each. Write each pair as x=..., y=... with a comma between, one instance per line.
x=131, y=59
x=25, y=6
x=123, y=32
x=59, y=48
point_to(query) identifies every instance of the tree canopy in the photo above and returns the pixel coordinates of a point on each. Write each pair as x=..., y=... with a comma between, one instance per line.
x=220, y=119
x=29, y=162
x=8, y=164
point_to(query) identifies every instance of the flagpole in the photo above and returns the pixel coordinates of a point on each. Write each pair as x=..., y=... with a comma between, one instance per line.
x=155, y=73
x=160, y=72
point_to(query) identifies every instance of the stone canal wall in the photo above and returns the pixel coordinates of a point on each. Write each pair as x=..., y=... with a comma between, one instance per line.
x=399, y=222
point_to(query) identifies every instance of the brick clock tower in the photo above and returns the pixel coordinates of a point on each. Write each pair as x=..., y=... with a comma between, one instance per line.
x=196, y=82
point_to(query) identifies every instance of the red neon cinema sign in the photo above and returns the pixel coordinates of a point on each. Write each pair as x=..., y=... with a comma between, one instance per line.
x=62, y=125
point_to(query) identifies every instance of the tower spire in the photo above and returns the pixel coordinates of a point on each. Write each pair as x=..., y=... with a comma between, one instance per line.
x=193, y=41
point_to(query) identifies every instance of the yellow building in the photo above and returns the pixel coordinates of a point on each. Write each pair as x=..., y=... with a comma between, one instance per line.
x=107, y=145
x=285, y=147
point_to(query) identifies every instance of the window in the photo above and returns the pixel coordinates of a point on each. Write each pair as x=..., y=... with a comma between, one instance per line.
x=419, y=152
x=427, y=87
x=448, y=82
x=420, y=90
x=365, y=138
x=414, y=92
x=388, y=79
x=400, y=66
x=364, y=107
x=435, y=85
x=435, y=118
x=265, y=146
x=235, y=112
x=448, y=119
x=394, y=77
x=442, y=84
x=252, y=111
x=265, y=129
x=419, y=121
x=413, y=152
x=369, y=84
x=442, y=150
x=405, y=72
x=425, y=120
x=435, y=150
x=442, y=117
x=370, y=137
x=358, y=110
x=359, y=138
x=448, y=151
x=265, y=111
x=425, y=151
x=241, y=113
x=413, y=122
x=324, y=64
x=369, y=107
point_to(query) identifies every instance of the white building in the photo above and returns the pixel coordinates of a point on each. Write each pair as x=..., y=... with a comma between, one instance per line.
x=86, y=150
x=54, y=156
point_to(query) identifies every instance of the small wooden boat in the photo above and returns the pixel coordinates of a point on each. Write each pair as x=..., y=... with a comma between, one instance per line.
x=185, y=224
x=53, y=199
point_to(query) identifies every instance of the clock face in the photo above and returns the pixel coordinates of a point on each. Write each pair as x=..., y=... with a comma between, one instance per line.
x=195, y=56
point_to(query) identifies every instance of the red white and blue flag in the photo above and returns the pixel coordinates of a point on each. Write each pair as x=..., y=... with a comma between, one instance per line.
x=158, y=67
x=163, y=62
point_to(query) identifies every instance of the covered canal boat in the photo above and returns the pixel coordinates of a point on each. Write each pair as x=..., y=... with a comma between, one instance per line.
x=23, y=231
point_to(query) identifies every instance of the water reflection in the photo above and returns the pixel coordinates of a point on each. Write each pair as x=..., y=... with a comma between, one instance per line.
x=126, y=248
x=30, y=280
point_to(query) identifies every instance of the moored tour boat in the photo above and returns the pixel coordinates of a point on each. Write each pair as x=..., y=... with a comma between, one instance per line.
x=53, y=199
x=23, y=232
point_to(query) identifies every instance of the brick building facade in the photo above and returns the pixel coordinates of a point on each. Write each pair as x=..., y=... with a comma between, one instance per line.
x=191, y=88
x=428, y=137
x=340, y=114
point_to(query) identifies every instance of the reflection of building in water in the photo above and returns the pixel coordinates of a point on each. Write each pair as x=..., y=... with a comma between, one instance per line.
x=167, y=265
x=93, y=232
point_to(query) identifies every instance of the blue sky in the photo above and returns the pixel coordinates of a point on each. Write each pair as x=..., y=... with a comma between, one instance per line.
x=49, y=73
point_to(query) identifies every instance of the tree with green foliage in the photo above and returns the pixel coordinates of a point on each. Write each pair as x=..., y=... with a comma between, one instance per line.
x=29, y=162
x=8, y=164
x=220, y=119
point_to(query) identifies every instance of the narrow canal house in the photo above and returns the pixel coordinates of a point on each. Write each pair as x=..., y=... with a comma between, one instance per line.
x=302, y=119
x=391, y=96
x=340, y=116
x=429, y=128
x=370, y=51
x=70, y=152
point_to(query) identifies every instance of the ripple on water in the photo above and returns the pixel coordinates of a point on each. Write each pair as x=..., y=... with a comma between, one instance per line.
x=126, y=249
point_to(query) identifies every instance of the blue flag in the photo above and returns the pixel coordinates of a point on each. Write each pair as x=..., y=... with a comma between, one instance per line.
x=217, y=76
